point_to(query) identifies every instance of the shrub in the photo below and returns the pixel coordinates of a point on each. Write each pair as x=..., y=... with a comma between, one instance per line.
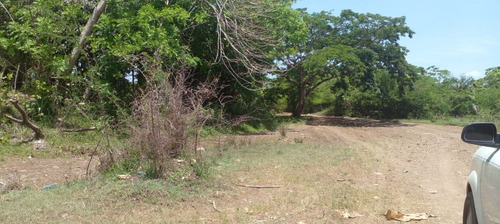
x=167, y=116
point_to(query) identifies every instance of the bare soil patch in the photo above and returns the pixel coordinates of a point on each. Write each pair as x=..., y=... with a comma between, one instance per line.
x=417, y=167
x=37, y=173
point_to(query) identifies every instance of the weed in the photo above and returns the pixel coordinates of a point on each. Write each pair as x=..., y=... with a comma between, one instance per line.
x=202, y=168
x=4, y=138
x=12, y=183
x=298, y=140
x=282, y=130
x=246, y=140
x=232, y=141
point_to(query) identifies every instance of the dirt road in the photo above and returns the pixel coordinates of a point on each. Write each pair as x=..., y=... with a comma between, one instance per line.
x=412, y=168
x=422, y=167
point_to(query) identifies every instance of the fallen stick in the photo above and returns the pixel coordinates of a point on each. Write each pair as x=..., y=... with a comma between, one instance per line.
x=215, y=208
x=260, y=186
x=79, y=130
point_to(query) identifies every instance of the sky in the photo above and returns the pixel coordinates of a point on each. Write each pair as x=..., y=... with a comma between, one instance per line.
x=461, y=36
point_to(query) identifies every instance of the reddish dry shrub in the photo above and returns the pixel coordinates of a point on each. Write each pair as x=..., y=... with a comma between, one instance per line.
x=167, y=115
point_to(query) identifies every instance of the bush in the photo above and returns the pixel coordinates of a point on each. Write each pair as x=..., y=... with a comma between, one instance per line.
x=169, y=114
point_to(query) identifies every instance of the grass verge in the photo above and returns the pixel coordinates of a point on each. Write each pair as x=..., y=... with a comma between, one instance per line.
x=307, y=175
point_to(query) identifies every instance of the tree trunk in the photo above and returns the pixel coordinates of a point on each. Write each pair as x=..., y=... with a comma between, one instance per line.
x=299, y=108
x=75, y=53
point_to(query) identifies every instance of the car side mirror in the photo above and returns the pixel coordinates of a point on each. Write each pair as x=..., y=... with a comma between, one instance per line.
x=484, y=134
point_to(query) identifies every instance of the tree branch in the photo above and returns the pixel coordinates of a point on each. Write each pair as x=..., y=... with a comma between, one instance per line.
x=310, y=89
x=243, y=37
x=75, y=53
x=24, y=121
x=3, y=6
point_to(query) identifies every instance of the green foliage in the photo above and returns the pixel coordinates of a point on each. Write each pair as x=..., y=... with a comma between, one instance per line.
x=202, y=168
x=347, y=49
x=487, y=91
x=137, y=29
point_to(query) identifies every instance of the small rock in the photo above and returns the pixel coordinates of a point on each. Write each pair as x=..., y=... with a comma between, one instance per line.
x=39, y=144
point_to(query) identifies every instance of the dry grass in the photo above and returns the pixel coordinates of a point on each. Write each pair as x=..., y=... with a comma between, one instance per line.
x=312, y=179
x=10, y=184
x=282, y=130
x=314, y=182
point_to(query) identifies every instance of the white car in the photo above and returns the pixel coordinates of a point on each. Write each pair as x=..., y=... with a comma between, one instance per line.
x=482, y=204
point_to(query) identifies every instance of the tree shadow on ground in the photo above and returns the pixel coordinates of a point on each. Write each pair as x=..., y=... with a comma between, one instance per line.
x=351, y=122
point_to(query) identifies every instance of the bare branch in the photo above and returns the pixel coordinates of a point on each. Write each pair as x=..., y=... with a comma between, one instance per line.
x=79, y=130
x=260, y=186
x=24, y=121
x=2, y=73
x=243, y=38
x=75, y=53
x=3, y=6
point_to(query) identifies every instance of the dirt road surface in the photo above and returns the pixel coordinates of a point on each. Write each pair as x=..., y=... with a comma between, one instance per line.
x=414, y=168
x=424, y=167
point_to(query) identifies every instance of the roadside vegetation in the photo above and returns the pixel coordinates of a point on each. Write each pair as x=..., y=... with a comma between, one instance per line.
x=167, y=93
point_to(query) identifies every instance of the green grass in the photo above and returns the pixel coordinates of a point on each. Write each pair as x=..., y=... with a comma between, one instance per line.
x=88, y=201
x=264, y=124
x=18, y=142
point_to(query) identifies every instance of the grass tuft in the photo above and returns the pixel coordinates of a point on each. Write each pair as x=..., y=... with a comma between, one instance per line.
x=11, y=184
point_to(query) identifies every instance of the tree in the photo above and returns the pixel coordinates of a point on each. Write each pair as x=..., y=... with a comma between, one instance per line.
x=491, y=78
x=349, y=47
x=236, y=42
x=33, y=48
x=487, y=91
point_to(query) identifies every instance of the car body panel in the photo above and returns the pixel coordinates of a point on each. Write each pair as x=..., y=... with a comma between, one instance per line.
x=484, y=179
x=490, y=185
x=484, y=182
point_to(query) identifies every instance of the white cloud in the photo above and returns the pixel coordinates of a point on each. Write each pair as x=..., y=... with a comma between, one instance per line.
x=474, y=74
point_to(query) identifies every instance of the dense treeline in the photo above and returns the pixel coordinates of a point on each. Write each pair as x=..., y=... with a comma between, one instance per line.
x=258, y=56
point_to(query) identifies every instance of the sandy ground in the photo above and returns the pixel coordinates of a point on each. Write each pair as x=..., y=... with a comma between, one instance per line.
x=423, y=166
x=415, y=167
